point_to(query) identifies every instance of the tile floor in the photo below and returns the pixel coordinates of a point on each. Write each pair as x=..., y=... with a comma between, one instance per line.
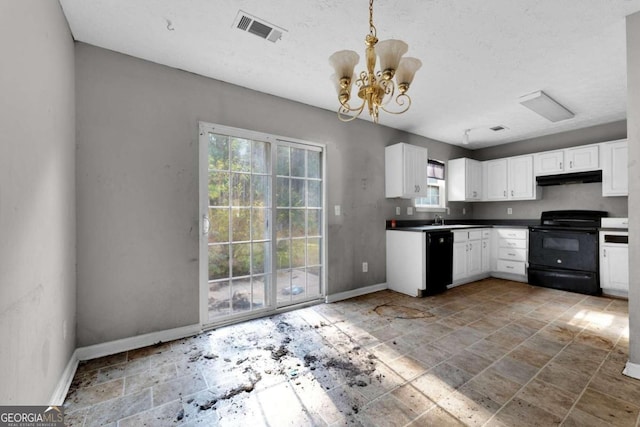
x=493, y=353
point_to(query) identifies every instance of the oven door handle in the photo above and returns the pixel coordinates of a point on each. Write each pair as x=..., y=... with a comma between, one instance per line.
x=562, y=231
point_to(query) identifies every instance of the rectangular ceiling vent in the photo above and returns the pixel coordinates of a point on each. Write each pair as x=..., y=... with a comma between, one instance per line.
x=259, y=27
x=498, y=128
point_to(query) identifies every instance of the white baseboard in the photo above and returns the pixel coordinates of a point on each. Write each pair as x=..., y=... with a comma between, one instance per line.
x=632, y=370
x=131, y=343
x=356, y=292
x=113, y=347
x=61, y=390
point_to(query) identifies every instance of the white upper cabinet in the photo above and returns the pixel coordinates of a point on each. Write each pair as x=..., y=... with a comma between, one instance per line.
x=576, y=159
x=510, y=179
x=549, y=162
x=615, y=169
x=585, y=158
x=521, y=181
x=405, y=171
x=464, y=180
x=496, y=174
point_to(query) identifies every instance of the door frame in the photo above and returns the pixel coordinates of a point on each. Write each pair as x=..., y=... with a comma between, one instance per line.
x=203, y=207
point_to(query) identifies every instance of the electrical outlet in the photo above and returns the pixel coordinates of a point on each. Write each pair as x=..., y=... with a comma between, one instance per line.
x=409, y=210
x=464, y=211
x=365, y=267
x=337, y=210
x=398, y=210
x=509, y=211
x=448, y=211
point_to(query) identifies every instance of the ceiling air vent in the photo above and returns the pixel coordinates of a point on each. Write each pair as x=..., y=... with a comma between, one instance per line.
x=257, y=26
x=498, y=128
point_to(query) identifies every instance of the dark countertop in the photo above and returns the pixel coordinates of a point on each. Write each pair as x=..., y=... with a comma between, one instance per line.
x=452, y=224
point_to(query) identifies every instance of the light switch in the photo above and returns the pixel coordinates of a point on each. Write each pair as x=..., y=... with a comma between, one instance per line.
x=337, y=209
x=509, y=211
x=409, y=210
x=398, y=210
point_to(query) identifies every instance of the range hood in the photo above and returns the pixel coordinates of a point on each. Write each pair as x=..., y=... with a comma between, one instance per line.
x=570, y=178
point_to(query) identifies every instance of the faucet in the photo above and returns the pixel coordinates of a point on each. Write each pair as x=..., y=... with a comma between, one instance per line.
x=438, y=220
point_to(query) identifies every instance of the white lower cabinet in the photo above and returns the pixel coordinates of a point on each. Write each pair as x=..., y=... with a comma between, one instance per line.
x=486, y=250
x=469, y=255
x=405, y=262
x=460, y=250
x=511, y=253
x=614, y=263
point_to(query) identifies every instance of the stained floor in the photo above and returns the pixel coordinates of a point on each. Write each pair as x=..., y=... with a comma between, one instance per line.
x=493, y=353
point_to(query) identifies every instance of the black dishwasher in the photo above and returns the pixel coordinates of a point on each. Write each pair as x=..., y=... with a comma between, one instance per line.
x=439, y=263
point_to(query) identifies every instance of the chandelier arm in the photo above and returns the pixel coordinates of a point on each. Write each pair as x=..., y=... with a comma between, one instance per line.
x=389, y=90
x=400, y=100
x=345, y=107
x=343, y=112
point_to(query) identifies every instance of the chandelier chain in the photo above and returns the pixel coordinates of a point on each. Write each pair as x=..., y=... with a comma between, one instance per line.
x=372, y=28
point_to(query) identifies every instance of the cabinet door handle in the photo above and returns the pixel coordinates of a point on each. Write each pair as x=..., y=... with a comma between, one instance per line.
x=604, y=253
x=560, y=165
x=511, y=193
x=505, y=193
x=571, y=164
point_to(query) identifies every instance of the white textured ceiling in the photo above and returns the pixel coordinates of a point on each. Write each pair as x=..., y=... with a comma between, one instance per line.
x=478, y=57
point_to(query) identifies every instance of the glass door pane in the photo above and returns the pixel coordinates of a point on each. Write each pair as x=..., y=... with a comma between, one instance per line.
x=239, y=238
x=299, y=224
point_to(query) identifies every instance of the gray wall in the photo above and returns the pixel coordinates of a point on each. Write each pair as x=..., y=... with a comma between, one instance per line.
x=590, y=135
x=37, y=200
x=557, y=197
x=138, y=196
x=573, y=196
x=633, y=129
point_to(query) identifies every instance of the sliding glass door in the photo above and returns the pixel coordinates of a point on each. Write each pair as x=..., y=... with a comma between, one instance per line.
x=249, y=267
x=299, y=223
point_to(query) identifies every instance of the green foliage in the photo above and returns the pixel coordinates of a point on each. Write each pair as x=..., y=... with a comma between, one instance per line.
x=239, y=188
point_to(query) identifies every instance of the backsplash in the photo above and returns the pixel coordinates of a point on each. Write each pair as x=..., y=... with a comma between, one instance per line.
x=559, y=197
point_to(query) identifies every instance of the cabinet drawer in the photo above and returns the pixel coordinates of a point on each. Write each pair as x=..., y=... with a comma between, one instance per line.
x=460, y=236
x=513, y=267
x=512, y=254
x=511, y=233
x=512, y=243
x=475, y=235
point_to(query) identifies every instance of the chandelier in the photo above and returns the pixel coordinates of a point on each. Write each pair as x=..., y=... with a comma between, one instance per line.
x=375, y=88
